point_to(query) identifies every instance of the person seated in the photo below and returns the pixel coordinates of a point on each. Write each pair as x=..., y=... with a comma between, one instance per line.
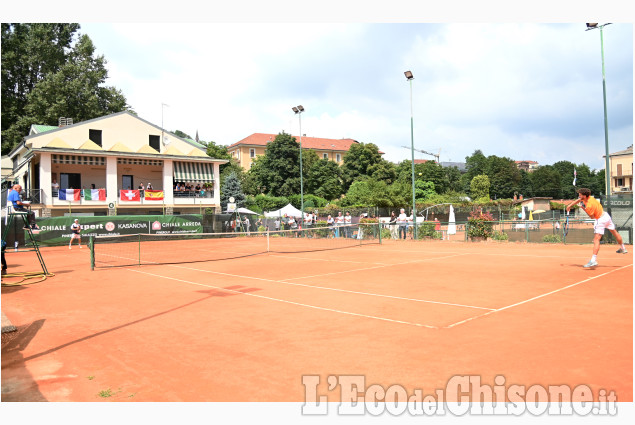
x=23, y=206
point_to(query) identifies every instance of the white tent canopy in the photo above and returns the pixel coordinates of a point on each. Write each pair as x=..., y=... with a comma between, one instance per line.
x=246, y=211
x=289, y=210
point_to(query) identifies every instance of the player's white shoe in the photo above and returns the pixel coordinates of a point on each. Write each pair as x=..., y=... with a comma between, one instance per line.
x=591, y=263
x=622, y=251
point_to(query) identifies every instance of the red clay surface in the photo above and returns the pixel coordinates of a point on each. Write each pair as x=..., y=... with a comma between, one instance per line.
x=404, y=312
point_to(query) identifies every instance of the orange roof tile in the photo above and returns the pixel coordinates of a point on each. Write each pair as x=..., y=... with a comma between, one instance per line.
x=318, y=143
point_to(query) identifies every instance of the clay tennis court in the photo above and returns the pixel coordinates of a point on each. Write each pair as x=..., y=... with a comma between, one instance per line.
x=248, y=329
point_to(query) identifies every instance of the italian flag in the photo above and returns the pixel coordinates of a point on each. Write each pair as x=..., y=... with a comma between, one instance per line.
x=153, y=195
x=95, y=194
x=69, y=194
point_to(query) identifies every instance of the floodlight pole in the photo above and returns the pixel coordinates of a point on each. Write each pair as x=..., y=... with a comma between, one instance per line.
x=410, y=77
x=606, y=125
x=298, y=111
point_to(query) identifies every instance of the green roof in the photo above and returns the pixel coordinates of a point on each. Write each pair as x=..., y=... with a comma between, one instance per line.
x=44, y=128
x=195, y=143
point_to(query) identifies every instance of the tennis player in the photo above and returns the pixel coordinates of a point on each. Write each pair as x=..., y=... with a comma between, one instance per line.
x=603, y=220
x=75, y=228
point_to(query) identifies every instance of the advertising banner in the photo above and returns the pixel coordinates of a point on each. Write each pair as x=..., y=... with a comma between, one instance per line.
x=57, y=230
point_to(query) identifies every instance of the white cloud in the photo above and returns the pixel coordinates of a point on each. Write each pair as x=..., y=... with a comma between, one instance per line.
x=525, y=91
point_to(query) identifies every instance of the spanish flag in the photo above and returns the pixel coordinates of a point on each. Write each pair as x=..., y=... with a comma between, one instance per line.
x=154, y=195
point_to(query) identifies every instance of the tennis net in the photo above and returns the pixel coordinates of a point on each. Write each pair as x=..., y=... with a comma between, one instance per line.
x=147, y=249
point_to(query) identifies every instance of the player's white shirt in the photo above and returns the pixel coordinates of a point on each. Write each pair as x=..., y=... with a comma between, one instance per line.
x=347, y=219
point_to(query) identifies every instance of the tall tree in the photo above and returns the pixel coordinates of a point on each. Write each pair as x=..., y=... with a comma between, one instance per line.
x=324, y=179
x=504, y=176
x=30, y=52
x=476, y=164
x=479, y=188
x=362, y=160
x=231, y=188
x=75, y=90
x=546, y=181
x=279, y=168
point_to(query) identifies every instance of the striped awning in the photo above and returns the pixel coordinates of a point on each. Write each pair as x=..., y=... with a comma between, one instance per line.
x=193, y=172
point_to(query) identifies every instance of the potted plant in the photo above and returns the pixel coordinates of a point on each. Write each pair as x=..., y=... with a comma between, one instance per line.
x=208, y=186
x=480, y=226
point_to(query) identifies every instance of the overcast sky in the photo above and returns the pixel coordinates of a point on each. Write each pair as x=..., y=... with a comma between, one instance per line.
x=527, y=91
x=524, y=91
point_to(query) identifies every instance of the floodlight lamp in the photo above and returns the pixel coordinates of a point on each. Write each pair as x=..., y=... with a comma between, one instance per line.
x=408, y=75
x=301, y=108
x=591, y=25
x=295, y=109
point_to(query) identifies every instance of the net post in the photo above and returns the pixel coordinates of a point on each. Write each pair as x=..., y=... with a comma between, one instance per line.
x=268, y=240
x=379, y=224
x=91, y=246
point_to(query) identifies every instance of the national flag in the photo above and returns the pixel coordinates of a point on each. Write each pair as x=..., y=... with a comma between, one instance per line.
x=575, y=176
x=130, y=195
x=95, y=194
x=154, y=195
x=69, y=194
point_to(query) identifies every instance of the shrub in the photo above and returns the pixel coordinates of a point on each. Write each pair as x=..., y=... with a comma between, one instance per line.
x=552, y=239
x=500, y=236
x=480, y=224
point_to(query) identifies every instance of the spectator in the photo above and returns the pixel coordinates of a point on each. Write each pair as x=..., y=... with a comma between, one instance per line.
x=247, y=224
x=402, y=222
x=348, y=230
x=339, y=222
x=330, y=222
x=149, y=186
x=55, y=186
x=393, y=225
x=276, y=224
x=141, y=188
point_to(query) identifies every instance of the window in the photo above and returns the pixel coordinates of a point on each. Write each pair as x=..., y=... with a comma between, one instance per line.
x=95, y=136
x=70, y=181
x=325, y=156
x=338, y=157
x=126, y=182
x=252, y=153
x=155, y=143
x=619, y=182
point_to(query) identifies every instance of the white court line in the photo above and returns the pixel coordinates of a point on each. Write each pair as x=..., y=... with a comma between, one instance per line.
x=332, y=289
x=375, y=267
x=483, y=253
x=291, y=302
x=536, y=297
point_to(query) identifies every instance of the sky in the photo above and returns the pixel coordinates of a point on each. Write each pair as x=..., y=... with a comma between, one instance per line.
x=520, y=80
x=526, y=91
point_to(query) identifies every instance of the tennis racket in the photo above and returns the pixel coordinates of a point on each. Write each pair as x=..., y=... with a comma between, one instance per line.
x=566, y=225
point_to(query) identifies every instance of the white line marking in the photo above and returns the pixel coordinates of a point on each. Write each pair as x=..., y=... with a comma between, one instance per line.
x=536, y=297
x=290, y=302
x=333, y=289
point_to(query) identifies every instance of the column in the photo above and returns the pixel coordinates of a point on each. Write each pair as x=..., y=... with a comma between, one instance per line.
x=112, y=191
x=45, y=179
x=168, y=173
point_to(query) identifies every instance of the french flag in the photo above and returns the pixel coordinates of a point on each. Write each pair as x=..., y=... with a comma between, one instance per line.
x=69, y=194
